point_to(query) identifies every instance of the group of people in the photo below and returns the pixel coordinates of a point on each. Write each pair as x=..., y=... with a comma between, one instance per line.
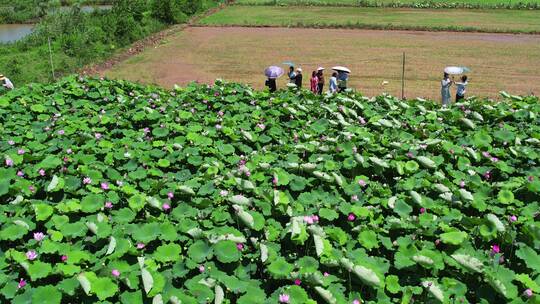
x=337, y=82
x=447, y=82
x=6, y=83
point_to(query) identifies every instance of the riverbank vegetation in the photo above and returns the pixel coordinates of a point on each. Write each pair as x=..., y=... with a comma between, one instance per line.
x=78, y=38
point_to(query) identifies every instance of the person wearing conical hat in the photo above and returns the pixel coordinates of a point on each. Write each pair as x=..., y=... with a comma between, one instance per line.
x=6, y=83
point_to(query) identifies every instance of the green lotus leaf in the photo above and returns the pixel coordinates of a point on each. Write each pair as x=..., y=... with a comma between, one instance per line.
x=226, y=252
x=453, y=237
x=47, y=295
x=168, y=253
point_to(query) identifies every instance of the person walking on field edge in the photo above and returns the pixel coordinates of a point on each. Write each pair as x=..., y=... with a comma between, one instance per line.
x=333, y=83
x=314, y=81
x=461, y=88
x=320, y=78
x=271, y=84
x=6, y=83
x=298, y=78
x=446, y=82
x=291, y=74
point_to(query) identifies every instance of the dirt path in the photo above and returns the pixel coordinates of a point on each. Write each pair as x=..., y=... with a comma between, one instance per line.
x=152, y=41
x=498, y=61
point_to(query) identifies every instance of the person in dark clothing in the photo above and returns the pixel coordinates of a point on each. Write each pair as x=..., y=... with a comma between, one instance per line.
x=320, y=77
x=271, y=84
x=298, y=78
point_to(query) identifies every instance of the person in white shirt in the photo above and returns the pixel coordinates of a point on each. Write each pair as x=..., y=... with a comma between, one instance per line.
x=445, y=89
x=461, y=88
x=6, y=82
x=333, y=83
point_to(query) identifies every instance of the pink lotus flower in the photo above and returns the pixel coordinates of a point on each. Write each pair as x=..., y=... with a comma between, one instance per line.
x=11, y=142
x=528, y=293
x=410, y=155
x=326, y=274
x=218, y=127
x=64, y=258
x=140, y=245
x=22, y=283
x=530, y=178
x=240, y=246
x=104, y=186
x=115, y=273
x=351, y=217
x=223, y=192
x=485, y=154
x=220, y=113
x=31, y=188
x=20, y=174
x=315, y=218
x=170, y=195
x=87, y=180
x=487, y=175
x=69, y=151
x=356, y=301
x=166, y=207
x=108, y=205
x=284, y=298
x=216, y=94
x=362, y=183
x=308, y=219
x=422, y=210
x=275, y=181
x=98, y=135
x=462, y=184
x=201, y=268
x=513, y=218
x=20, y=151
x=437, y=242
x=248, y=174
x=61, y=132
x=362, y=120
x=297, y=282
x=494, y=159
x=9, y=162
x=261, y=126
x=38, y=236
x=354, y=198
x=495, y=249
x=41, y=172
x=31, y=255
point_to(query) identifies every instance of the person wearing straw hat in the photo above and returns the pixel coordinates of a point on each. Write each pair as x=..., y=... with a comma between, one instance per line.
x=320, y=78
x=6, y=83
x=298, y=78
x=314, y=82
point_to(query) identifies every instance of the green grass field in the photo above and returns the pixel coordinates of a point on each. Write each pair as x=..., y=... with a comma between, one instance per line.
x=500, y=21
x=413, y=3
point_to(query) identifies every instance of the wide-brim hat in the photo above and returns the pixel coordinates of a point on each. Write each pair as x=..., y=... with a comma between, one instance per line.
x=299, y=70
x=2, y=77
x=320, y=69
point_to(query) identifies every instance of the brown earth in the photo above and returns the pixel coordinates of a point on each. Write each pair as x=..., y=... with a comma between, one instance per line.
x=498, y=61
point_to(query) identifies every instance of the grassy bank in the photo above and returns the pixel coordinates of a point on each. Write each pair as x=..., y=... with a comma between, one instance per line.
x=476, y=4
x=79, y=38
x=497, y=21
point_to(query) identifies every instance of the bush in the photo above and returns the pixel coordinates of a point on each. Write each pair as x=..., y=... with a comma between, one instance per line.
x=168, y=11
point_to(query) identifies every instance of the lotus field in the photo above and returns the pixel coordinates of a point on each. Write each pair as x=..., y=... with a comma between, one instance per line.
x=122, y=193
